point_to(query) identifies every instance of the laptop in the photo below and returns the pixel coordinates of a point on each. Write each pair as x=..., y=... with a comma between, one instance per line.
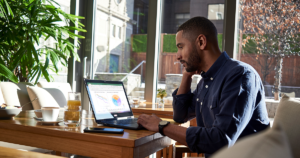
x=110, y=104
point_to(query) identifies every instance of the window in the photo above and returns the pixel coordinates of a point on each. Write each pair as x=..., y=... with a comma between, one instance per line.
x=130, y=52
x=119, y=48
x=113, y=30
x=181, y=18
x=268, y=40
x=61, y=76
x=170, y=72
x=118, y=1
x=215, y=11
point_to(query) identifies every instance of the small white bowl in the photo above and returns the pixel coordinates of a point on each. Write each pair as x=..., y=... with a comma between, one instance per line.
x=9, y=113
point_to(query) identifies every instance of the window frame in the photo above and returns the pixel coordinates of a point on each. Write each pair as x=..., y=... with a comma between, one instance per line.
x=216, y=11
x=153, y=44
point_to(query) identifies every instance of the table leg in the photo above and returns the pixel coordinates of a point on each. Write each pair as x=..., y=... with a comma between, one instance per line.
x=165, y=152
x=170, y=153
x=158, y=154
x=58, y=153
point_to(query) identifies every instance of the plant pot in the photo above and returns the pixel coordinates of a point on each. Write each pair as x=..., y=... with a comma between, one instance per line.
x=161, y=103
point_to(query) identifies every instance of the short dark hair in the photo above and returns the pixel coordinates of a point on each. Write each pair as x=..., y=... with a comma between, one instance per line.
x=199, y=25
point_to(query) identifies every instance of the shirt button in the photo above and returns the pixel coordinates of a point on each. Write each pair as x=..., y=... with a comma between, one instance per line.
x=197, y=99
x=211, y=78
x=210, y=106
x=201, y=103
x=206, y=86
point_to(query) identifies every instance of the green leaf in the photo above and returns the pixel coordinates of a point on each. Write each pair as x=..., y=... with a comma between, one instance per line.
x=54, y=59
x=8, y=74
x=35, y=53
x=38, y=76
x=17, y=58
x=47, y=60
x=36, y=39
x=45, y=73
x=9, y=9
x=75, y=28
x=2, y=11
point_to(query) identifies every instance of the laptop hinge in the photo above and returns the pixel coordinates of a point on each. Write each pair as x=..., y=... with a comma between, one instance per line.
x=124, y=118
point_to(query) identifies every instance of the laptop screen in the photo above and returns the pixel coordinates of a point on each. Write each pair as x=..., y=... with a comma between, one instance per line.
x=107, y=99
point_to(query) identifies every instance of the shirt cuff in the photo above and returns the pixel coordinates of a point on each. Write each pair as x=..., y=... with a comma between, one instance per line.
x=192, y=138
x=181, y=96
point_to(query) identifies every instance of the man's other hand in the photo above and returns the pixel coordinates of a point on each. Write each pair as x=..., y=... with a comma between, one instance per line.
x=150, y=122
x=186, y=82
x=189, y=74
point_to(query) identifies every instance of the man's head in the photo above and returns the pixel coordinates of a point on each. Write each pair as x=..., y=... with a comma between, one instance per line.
x=193, y=38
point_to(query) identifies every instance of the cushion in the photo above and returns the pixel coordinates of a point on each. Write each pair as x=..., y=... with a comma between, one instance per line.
x=1, y=97
x=59, y=95
x=271, y=143
x=16, y=94
x=291, y=94
x=64, y=88
x=288, y=113
x=42, y=98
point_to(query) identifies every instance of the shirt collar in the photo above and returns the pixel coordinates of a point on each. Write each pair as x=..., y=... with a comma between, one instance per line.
x=212, y=71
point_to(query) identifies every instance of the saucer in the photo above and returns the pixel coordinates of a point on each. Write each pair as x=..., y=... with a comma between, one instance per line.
x=38, y=118
x=49, y=122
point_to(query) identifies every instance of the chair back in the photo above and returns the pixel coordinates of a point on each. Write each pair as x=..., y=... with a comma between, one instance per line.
x=287, y=114
x=16, y=94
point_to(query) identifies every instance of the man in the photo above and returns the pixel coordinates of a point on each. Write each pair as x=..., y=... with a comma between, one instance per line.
x=228, y=102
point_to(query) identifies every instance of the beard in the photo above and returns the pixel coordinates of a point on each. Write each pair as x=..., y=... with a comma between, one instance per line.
x=192, y=64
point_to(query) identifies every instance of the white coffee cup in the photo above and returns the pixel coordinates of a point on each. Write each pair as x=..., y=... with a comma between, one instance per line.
x=136, y=100
x=50, y=113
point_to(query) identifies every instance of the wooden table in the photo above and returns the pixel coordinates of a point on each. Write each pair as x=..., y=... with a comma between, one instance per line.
x=149, y=108
x=166, y=112
x=133, y=143
x=14, y=153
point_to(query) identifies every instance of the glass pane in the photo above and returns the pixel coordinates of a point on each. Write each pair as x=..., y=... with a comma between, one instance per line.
x=62, y=74
x=268, y=40
x=121, y=44
x=179, y=16
x=169, y=72
x=216, y=11
x=114, y=30
x=186, y=16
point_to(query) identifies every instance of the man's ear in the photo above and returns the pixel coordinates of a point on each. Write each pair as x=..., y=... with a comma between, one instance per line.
x=201, y=41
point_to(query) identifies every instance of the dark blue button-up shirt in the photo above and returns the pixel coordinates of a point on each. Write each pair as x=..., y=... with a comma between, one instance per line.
x=229, y=103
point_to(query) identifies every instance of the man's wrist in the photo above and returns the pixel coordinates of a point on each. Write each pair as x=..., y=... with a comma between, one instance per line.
x=187, y=77
x=161, y=126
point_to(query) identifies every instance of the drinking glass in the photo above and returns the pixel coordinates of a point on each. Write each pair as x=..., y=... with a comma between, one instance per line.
x=135, y=102
x=73, y=109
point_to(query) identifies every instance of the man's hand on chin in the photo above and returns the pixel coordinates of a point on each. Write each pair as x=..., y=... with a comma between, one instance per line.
x=150, y=122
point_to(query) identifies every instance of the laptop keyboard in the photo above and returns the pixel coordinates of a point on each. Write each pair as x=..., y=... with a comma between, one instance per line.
x=127, y=121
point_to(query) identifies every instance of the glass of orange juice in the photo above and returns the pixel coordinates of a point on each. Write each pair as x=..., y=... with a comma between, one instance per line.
x=73, y=109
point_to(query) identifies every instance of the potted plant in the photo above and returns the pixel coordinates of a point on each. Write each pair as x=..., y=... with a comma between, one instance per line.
x=4, y=71
x=21, y=31
x=161, y=94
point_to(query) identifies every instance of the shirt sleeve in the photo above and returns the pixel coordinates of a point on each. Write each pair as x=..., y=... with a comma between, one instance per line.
x=236, y=104
x=183, y=107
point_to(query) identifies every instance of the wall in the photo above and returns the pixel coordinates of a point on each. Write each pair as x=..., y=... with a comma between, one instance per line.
x=171, y=8
x=290, y=68
x=200, y=8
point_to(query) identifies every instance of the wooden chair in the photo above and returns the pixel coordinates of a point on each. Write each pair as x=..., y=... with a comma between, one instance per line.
x=178, y=150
